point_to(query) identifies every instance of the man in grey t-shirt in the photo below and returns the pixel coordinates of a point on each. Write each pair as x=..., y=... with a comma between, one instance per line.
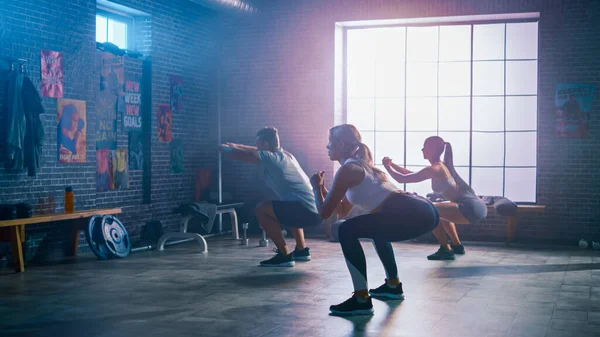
x=295, y=207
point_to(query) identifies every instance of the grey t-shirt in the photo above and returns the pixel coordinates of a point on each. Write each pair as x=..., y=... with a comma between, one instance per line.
x=286, y=178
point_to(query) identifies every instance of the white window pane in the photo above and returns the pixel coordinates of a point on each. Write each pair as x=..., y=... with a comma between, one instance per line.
x=389, y=62
x=521, y=148
x=487, y=181
x=389, y=114
x=488, y=42
x=398, y=185
x=488, y=113
x=389, y=144
x=414, y=145
x=488, y=78
x=454, y=113
x=101, y=29
x=361, y=113
x=422, y=44
x=421, y=79
x=522, y=40
x=421, y=188
x=460, y=146
x=368, y=138
x=389, y=79
x=421, y=114
x=455, y=79
x=521, y=113
x=117, y=33
x=360, y=63
x=520, y=184
x=488, y=149
x=455, y=43
x=521, y=78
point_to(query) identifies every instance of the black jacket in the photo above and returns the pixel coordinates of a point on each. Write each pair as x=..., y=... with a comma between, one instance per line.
x=23, y=130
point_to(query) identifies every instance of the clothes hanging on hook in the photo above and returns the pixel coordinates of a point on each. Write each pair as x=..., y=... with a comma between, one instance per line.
x=22, y=130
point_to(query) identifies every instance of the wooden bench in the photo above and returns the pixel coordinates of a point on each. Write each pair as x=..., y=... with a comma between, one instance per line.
x=14, y=230
x=513, y=220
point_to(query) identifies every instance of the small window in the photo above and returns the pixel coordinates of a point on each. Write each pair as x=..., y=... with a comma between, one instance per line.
x=112, y=28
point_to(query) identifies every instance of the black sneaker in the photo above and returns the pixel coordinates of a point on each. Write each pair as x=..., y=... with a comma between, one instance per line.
x=458, y=249
x=385, y=291
x=279, y=260
x=353, y=307
x=302, y=255
x=442, y=254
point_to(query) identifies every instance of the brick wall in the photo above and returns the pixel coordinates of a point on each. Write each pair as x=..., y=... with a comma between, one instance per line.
x=183, y=38
x=278, y=69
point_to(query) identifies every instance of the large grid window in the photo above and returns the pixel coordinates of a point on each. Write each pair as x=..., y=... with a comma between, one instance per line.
x=112, y=28
x=475, y=85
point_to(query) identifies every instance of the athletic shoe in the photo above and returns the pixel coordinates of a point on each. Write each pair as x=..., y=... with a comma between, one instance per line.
x=302, y=255
x=442, y=254
x=299, y=255
x=279, y=260
x=458, y=249
x=353, y=307
x=385, y=291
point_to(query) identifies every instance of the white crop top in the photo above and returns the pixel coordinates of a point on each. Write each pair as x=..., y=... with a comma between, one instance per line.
x=371, y=192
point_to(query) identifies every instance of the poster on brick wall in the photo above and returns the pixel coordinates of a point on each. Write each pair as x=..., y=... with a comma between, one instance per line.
x=573, y=106
x=52, y=74
x=120, y=169
x=72, y=128
x=104, y=179
x=165, y=123
x=176, y=92
x=176, y=150
x=136, y=151
x=132, y=119
x=107, y=100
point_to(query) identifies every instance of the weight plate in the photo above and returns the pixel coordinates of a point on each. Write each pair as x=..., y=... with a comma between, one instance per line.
x=95, y=238
x=115, y=236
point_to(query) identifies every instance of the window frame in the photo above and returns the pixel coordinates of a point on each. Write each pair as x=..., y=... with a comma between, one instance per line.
x=472, y=24
x=128, y=20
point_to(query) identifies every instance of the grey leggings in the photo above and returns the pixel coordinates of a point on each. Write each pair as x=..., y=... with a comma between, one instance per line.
x=403, y=217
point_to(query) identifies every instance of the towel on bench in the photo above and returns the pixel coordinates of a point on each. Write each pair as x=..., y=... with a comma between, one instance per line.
x=195, y=209
x=503, y=205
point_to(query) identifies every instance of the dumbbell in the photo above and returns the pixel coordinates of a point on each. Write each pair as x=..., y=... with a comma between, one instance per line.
x=244, y=240
x=264, y=242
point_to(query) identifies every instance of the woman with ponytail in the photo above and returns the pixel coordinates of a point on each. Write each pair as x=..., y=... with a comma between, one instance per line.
x=464, y=206
x=393, y=215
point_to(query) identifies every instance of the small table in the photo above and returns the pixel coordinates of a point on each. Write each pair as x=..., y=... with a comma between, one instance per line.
x=14, y=230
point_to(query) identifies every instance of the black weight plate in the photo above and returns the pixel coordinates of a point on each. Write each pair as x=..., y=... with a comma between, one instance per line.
x=115, y=236
x=95, y=239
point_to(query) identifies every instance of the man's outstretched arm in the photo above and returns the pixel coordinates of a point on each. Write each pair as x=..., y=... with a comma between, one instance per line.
x=248, y=154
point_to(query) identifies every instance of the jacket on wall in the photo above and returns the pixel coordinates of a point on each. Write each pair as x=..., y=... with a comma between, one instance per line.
x=23, y=130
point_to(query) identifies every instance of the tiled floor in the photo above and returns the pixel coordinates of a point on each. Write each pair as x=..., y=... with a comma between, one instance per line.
x=491, y=291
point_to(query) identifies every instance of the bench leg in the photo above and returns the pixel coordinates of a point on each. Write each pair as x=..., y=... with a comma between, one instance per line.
x=511, y=227
x=234, y=226
x=17, y=249
x=77, y=226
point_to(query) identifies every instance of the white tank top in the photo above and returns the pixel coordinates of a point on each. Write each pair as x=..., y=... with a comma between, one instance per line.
x=371, y=192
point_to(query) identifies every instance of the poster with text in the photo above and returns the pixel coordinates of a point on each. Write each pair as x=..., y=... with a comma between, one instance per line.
x=176, y=92
x=165, y=123
x=71, y=127
x=52, y=74
x=573, y=106
x=104, y=179
x=132, y=119
x=136, y=151
x=111, y=73
x=120, y=169
x=176, y=149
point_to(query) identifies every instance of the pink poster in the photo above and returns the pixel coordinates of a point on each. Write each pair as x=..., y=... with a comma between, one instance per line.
x=52, y=74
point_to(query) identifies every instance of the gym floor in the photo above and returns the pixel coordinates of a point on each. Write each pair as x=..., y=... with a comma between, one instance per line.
x=493, y=290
